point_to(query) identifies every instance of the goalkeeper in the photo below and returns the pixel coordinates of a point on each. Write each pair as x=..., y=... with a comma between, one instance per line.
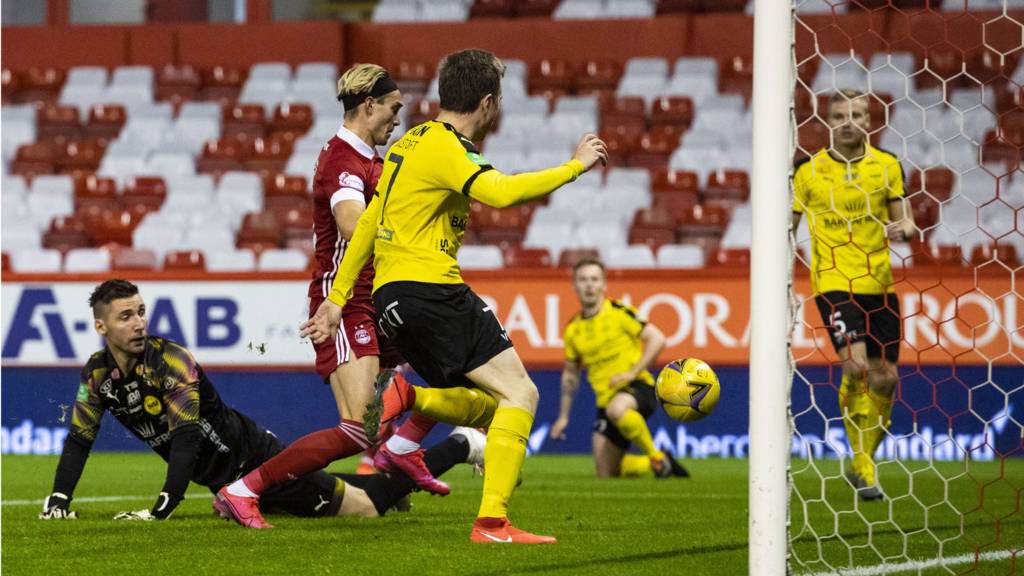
x=853, y=196
x=159, y=393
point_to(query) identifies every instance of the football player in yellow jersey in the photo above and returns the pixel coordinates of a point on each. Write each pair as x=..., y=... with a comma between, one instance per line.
x=413, y=228
x=853, y=196
x=616, y=346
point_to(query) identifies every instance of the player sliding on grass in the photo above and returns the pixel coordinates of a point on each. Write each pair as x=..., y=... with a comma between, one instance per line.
x=160, y=393
x=615, y=345
x=853, y=195
x=343, y=184
x=413, y=228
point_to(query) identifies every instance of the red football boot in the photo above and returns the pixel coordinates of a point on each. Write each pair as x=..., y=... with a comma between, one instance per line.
x=242, y=509
x=505, y=533
x=393, y=396
x=412, y=465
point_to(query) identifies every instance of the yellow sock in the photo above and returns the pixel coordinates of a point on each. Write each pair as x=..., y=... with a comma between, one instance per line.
x=880, y=419
x=634, y=428
x=457, y=406
x=503, y=459
x=854, y=403
x=635, y=465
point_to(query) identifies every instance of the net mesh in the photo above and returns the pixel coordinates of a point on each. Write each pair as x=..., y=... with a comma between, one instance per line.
x=943, y=81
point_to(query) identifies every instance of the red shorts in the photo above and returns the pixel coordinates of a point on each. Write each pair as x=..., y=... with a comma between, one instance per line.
x=357, y=335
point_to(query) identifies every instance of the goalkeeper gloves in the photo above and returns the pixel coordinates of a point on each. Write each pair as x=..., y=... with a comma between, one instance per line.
x=55, y=507
x=165, y=505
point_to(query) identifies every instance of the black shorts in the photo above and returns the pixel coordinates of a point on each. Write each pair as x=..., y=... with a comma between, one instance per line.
x=870, y=318
x=442, y=330
x=315, y=494
x=646, y=404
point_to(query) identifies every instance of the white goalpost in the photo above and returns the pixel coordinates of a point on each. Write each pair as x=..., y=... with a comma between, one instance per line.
x=770, y=366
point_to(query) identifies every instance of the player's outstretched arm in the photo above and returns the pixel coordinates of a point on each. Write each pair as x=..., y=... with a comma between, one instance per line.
x=57, y=505
x=570, y=384
x=503, y=190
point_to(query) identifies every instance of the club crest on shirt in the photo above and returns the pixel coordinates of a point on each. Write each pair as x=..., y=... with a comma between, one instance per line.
x=363, y=336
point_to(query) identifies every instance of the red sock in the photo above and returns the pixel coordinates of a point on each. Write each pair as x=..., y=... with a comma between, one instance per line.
x=308, y=454
x=416, y=428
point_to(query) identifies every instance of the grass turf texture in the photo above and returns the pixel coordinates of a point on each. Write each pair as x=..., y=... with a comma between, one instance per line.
x=620, y=526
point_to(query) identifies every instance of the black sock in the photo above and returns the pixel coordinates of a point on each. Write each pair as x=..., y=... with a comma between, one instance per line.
x=386, y=489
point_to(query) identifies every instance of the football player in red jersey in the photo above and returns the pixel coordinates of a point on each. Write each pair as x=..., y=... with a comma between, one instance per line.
x=344, y=182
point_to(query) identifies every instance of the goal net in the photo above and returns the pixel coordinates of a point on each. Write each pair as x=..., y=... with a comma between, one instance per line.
x=943, y=82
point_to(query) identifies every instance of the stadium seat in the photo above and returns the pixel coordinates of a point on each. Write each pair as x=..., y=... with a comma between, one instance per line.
x=940, y=255
x=130, y=259
x=664, y=180
x=598, y=75
x=114, y=226
x=578, y=10
x=621, y=145
x=66, y=232
x=732, y=257
x=80, y=156
x=170, y=164
x=656, y=146
x=177, y=83
x=991, y=252
x=633, y=256
x=260, y=231
x=568, y=258
x=105, y=121
x=95, y=191
x=59, y=121
x=542, y=8
x=147, y=190
x=87, y=260
x=22, y=235
x=672, y=110
x=269, y=154
x=480, y=258
x=185, y=260
x=222, y=155
x=34, y=261
x=730, y=186
x=291, y=118
x=42, y=85
x=703, y=221
x=34, y=159
x=230, y=261
x=282, y=260
x=243, y=120
x=683, y=256
x=87, y=76
x=222, y=84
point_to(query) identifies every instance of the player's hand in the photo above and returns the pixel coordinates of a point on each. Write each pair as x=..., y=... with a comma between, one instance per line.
x=143, y=515
x=625, y=377
x=590, y=151
x=558, y=428
x=55, y=507
x=324, y=323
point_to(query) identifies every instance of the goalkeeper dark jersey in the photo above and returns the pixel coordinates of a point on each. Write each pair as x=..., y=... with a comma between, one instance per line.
x=165, y=391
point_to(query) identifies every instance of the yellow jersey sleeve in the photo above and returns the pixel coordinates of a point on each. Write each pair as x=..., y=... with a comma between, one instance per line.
x=572, y=353
x=800, y=186
x=502, y=190
x=359, y=250
x=894, y=179
x=629, y=318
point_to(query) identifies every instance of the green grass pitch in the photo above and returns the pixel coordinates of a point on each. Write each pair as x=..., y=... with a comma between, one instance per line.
x=621, y=526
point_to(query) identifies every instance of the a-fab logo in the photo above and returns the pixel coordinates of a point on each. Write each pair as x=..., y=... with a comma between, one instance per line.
x=37, y=321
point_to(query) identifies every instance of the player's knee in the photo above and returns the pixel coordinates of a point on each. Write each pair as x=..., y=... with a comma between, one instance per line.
x=528, y=394
x=883, y=381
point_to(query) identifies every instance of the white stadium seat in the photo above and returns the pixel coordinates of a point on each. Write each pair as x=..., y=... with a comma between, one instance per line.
x=87, y=260
x=480, y=258
x=40, y=260
x=230, y=261
x=282, y=260
x=687, y=256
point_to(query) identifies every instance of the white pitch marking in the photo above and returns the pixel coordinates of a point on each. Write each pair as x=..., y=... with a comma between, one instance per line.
x=917, y=565
x=88, y=499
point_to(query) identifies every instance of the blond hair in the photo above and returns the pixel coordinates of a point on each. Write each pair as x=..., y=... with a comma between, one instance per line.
x=359, y=78
x=848, y=95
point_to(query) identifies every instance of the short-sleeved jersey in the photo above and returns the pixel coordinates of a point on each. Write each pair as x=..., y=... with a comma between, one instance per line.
x=606, y=344
x=847, y=208
x=347, y=169
x=166, y=389
x=424, y=205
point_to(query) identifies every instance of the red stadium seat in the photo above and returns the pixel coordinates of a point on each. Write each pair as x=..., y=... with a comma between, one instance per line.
x=597, y=75
x=491, y=9
x=735, y=257
x=34, y=159
x=245, y=120
x=177, y=82
x=621, y=145
x=736, y=76
x=997, y=149
x=552, y=74
x=56, y=121
x=222, y=83
x=937, y=182
x=1004, y=253
x=66, y=233
x=10, y=85
x=284, y=192
x=656, y=146
x=622, y=110
x=269, y=154
x=260, y=230
x=569, y=258
x=519, y=257
x=672, y=111
x=96, y=191
x=812, y=135
x=186, y=260
x=422, y=111
x=534, y=7
x=291, y=118
x=413, y=77
x=296, y=223
x=81, y=156
x=105, y=121
x=146, y=190
x=222, y=155
x=5, y=262
x=113, y=227
x=653, y=227
x=944, y=62
x=678, y=205
x=499, y=226
x=41, y=85
x=703, y=221
x=131, y=259
x=728, y=185
x=664, y=180
x=678, y=6
x=938, y=255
